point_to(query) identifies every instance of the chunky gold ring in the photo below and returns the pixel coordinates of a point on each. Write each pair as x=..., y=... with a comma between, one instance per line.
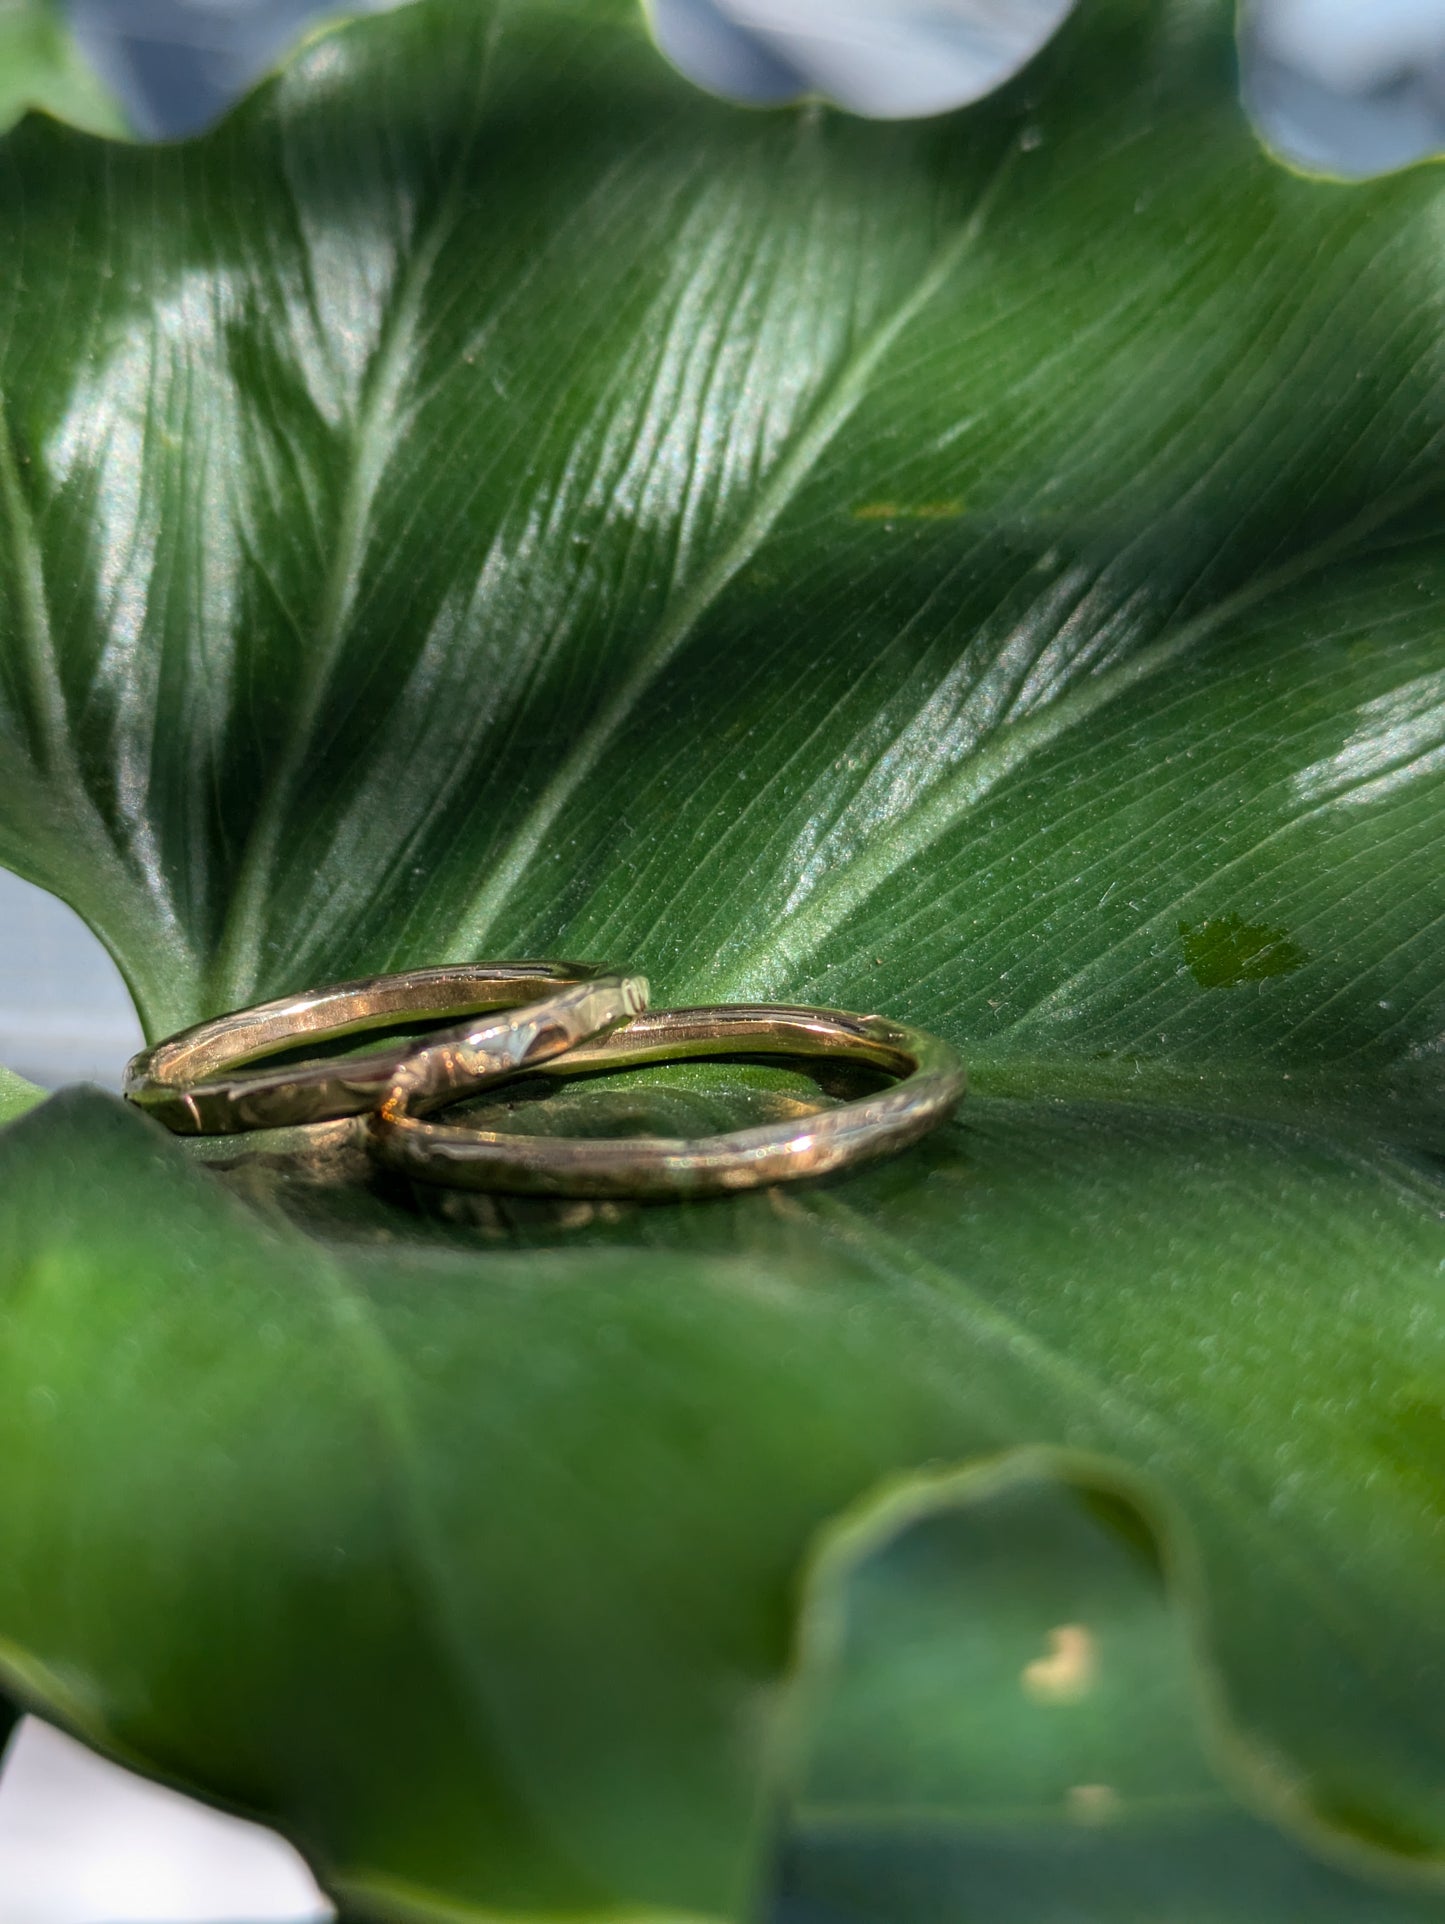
x=931, y=1083
x=194, y=1083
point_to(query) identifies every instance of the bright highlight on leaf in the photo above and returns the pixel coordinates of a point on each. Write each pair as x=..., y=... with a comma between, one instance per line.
x=488, y=499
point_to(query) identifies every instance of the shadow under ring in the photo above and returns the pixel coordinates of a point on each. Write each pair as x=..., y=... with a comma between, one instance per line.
x=930, y=1082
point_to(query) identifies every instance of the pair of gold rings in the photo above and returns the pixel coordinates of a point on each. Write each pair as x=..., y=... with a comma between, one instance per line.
x=559, y=1018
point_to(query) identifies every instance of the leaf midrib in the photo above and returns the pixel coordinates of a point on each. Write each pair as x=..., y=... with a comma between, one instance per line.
x=419, y=1540
x=383, y=418
x=679, y=621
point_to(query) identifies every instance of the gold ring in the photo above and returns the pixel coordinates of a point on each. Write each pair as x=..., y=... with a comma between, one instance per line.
x=930, y=1084
x=195, y=1084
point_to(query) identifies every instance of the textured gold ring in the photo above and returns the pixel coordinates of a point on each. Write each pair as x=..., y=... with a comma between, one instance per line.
x=930, y=1083
x=196, y=1084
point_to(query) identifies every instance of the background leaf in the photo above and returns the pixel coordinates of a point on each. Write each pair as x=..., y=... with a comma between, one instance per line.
x=16, y=1095
x=41, y=67
x=985, y=568
x=1070, y=1779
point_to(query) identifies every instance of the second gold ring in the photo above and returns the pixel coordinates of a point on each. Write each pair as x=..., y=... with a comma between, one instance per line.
x=928, y=1082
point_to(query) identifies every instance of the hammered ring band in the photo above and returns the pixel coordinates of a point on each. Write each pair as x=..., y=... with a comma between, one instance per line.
x=199, y=1082
x=929, y=1080
x=519, y=1018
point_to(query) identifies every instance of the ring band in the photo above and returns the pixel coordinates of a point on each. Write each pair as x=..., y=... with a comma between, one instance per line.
x=194, y=1082
x=931, y=1083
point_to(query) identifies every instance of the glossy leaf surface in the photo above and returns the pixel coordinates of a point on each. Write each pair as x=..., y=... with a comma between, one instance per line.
x=987, y=569
x=521, y=1632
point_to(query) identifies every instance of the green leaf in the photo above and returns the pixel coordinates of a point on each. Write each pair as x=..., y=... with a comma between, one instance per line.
x=16, y=1095
x=476, y=1567
x=544, y=503
x=487, y=498
x=1072, y=1763
x=41, y=67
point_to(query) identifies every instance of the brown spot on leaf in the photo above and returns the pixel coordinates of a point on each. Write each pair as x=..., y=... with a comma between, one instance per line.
x=1091, y=1803
x=1226, y=950
x=1067, y=1672
x=920, y=511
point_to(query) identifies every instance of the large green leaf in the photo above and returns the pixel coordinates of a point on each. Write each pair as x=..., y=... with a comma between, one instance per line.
x=479, y=1570
x=487, y=498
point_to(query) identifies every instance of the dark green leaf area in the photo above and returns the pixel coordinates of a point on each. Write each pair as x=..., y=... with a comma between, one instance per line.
x=684, y=1099
x=1068, y=1780
x=477, y=1563
x=1224, y=952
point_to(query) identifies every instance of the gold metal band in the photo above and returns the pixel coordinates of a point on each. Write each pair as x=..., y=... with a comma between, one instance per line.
x=194, y=1082
x=931, y=1083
